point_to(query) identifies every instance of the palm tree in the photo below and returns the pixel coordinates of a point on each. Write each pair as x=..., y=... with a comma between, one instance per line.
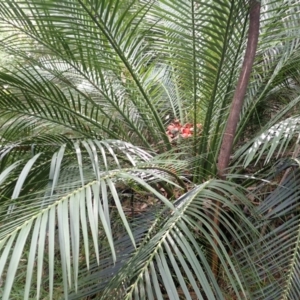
x=105, y=189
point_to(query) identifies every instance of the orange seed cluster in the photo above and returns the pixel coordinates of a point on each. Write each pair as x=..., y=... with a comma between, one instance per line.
x=176, y=130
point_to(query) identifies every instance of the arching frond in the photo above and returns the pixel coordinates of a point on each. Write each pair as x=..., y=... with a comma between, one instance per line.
x=74, y=209
x=173, y=248
x=277, y=259
x=277, y=138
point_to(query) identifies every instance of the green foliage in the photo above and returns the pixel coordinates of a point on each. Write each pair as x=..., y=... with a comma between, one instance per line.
x=95, y=200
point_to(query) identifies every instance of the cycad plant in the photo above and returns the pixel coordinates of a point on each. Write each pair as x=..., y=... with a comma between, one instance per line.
x=117, y=178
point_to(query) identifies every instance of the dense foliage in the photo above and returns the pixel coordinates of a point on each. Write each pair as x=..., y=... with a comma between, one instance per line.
x=112, y=118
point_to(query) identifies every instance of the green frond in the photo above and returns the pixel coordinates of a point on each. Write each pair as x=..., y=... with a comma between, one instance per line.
x=277, y=249
x=80, y=199
x=172, y=248
x=277, y=138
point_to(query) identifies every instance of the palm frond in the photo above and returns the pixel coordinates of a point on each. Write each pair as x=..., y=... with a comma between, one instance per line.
x=277, y=249
x=277, y=138
x=78, y=197
x=172, y=248
x=116, y=36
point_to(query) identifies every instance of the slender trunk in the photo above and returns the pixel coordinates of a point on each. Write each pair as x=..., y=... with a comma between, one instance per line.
x=236, y=107
x=238, y=98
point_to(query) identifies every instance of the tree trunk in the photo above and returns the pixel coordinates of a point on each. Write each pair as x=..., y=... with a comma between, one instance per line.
x=236, y=107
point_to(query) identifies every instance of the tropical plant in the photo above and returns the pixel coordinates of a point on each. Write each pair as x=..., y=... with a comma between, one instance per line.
x=114, y=116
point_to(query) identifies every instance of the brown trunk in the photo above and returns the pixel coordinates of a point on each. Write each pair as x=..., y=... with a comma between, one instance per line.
x=236, y=107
